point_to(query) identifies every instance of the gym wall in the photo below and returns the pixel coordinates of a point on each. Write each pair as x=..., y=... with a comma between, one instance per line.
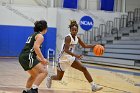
x=16, y=24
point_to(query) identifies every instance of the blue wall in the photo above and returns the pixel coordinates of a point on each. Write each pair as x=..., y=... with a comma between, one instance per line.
x=13, y=38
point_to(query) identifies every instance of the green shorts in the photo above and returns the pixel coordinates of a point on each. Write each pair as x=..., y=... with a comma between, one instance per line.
x=28, y=61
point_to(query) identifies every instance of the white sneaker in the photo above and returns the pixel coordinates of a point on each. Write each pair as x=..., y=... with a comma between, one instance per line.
x=49, y=82
x=96, y=87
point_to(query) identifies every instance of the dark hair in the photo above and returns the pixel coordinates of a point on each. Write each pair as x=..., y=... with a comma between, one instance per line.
x=40, y=26
x=73, y=23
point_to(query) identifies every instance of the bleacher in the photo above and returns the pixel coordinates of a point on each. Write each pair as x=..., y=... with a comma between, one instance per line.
x=121, y=38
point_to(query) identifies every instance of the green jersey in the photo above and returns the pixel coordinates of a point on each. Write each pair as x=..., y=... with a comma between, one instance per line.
x=29, y=44
x=28, y=57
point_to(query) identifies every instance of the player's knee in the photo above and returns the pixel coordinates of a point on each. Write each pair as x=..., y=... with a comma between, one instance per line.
x=59, y=78
x=33, y=77
x=45, y=72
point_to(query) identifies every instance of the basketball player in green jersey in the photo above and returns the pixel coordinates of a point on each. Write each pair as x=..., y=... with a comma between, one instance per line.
x=31, y=58
x=68, y=58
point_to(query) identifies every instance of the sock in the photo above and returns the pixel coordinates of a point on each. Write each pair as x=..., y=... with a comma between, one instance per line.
x=92, y=83
x=49, y=75
x=26, y=89
x=34, y=87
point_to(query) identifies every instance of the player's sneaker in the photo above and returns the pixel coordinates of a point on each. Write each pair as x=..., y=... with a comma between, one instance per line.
x=49, y=82
x=33, y=90
x=24, y=91
x=96, y=87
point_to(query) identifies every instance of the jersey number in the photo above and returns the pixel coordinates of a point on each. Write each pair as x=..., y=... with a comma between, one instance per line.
x=29, y=39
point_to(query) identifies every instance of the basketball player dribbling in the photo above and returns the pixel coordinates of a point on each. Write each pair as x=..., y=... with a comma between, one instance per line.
x=68, y=58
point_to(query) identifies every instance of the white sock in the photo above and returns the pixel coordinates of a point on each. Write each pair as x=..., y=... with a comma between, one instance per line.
x=48, y=76
x=26, y=89
x=92, y=83
x=34, y=86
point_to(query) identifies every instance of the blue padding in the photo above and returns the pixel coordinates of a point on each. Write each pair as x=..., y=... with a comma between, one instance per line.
x=70, y=4
x=107, y=5
x=13, y=38
x=49, y=41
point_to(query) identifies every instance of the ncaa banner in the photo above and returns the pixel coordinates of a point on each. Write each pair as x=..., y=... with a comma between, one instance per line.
x=107, y=5
x=86, y=23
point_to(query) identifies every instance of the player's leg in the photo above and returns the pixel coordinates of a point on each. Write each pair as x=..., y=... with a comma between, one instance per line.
x=62, y=65
x=58, y=76
x=77, y=65
x=39, y=68
x=42, y=73
x=25, y=64
x=30, y=80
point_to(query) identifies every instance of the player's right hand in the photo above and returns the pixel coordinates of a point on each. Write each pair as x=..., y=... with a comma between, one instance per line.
x=44, y=61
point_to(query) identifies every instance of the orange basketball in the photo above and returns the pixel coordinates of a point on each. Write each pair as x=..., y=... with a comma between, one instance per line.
x=98, y=50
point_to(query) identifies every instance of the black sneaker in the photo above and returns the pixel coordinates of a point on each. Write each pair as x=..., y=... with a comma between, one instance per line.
x=33, y=90
x=24, y=91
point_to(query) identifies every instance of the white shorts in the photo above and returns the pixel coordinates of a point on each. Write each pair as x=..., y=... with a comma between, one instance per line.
x=65, y=61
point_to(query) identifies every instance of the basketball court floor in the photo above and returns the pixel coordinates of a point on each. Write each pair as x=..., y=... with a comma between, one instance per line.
x=113, y=79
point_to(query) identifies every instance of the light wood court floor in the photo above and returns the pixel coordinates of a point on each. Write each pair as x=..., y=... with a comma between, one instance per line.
x=113, y=79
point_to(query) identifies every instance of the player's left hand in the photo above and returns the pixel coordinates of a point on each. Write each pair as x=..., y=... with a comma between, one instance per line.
x=79, y=56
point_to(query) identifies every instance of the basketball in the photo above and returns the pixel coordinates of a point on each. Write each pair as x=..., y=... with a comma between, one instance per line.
x=98, y=50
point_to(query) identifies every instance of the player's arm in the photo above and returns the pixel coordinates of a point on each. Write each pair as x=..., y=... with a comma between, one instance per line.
x=67, y=45
x=39, y=40
x=84, y=45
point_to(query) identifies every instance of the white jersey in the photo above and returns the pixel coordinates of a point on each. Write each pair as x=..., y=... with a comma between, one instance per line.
x=65, y=60
x=73, y=44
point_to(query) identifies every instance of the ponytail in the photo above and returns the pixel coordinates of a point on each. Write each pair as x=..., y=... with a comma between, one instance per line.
x=40, y=26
